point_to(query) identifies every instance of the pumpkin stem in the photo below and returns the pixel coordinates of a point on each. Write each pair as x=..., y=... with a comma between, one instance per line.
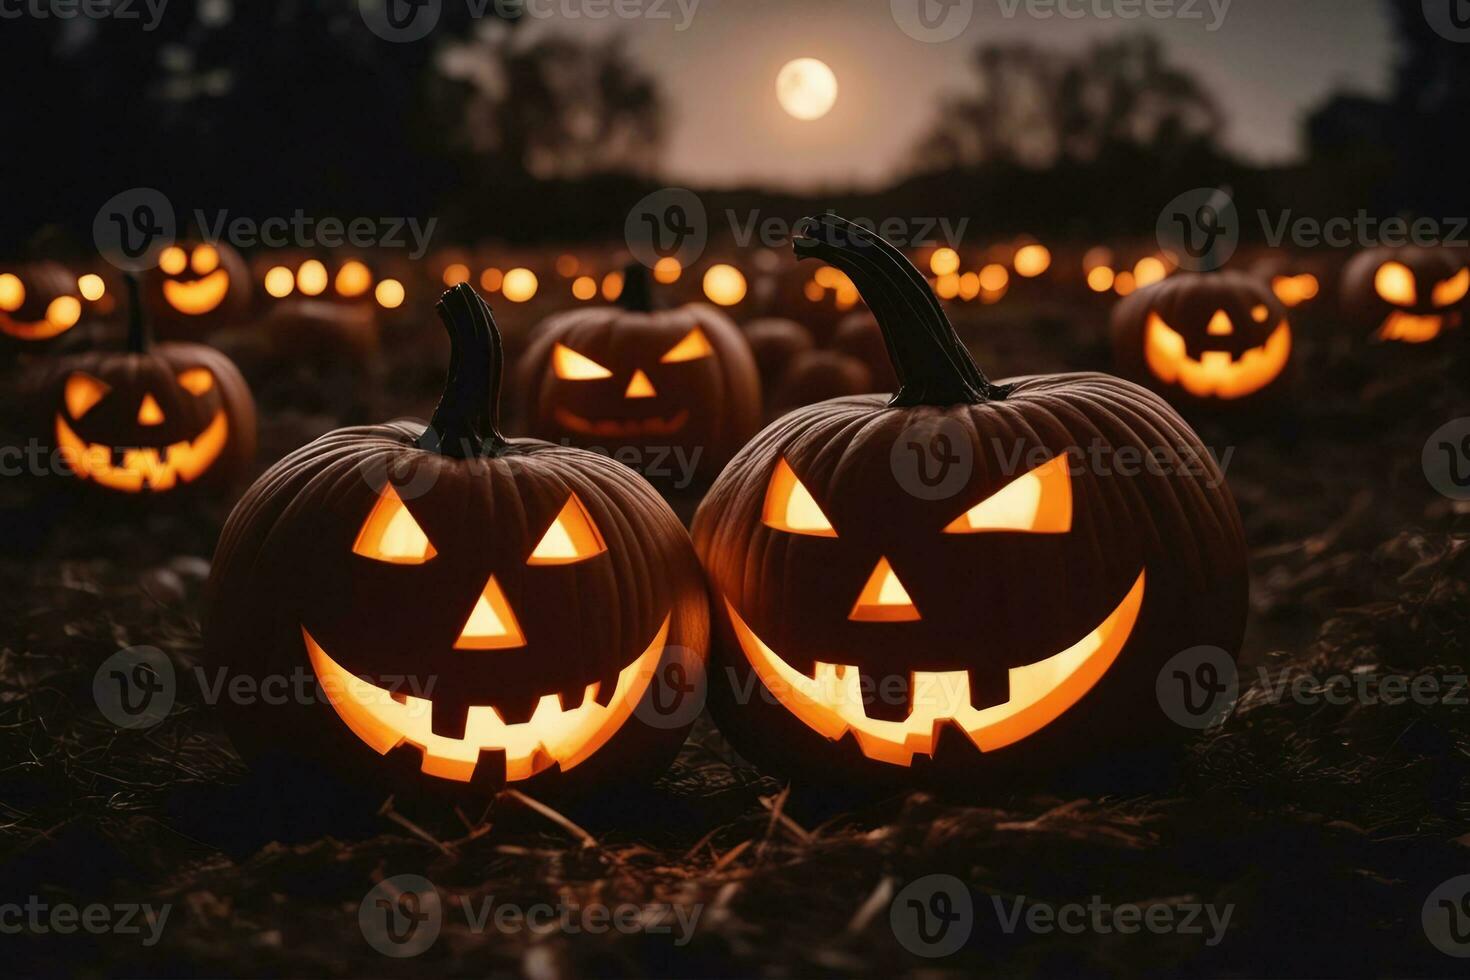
x=140, y=331
x=933, y=366
x=637, y=294
x=467, y=421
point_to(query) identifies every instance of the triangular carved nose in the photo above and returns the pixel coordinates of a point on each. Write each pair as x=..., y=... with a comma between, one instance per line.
x=492, y=625
x=884, y=599
x=1220, y=325
x=639, y=386
x=149, y=413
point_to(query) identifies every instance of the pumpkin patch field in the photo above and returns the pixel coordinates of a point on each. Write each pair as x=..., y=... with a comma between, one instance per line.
x=736, y=490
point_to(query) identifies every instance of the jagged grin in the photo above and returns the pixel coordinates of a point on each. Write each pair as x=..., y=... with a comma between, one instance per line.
x=157, y=467
x=622, y=428
x=830, y=700
x=553, y=735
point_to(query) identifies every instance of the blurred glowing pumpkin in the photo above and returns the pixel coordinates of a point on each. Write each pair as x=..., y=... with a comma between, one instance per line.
x=1410, y=295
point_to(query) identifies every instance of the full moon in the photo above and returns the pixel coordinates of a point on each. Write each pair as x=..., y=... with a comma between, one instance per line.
x=806, y=88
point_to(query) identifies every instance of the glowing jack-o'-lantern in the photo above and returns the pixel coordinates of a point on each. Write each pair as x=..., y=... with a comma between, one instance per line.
x=644, y=384
x=1411, y=295
x=197, y=286
x=155, y=418
x=321, y=311
x=903, y=582
x=1202, y=339
x=537, y=589
x=38, y=302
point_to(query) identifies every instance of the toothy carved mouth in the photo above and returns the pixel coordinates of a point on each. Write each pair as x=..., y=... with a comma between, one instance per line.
x=1215, y=372
x=619, y=428
x=1415, y=329
x=553, y=735
x=200, y=296
x=159, y=468
x=830, y=701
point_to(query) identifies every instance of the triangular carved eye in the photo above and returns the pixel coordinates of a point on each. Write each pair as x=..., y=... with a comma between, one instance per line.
x=390, y=534
x=572, y=537
x=791, y=507
x=1039, y=501
x=694, y=346
x=571, y=366
x=83, y=392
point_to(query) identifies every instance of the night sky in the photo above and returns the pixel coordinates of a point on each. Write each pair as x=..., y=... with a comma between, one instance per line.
x=1268, y=64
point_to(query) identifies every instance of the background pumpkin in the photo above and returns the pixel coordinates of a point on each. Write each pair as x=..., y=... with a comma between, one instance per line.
x=643, y=380
x=820, y=551
x=39, y=303
x=1206, y=341
x=775, y=342
x=153, y=418
x=417, y=558
x=197, y=287
x=1411, y=295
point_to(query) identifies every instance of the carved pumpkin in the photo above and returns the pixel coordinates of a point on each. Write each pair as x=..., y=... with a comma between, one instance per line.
x=775, y=342
x=38, y=302
x=1012, y=614
x=1412, y=294
x=197, y=286
x=1204, y=339
x=629, y=377
x=477, y=609
x=155, y=418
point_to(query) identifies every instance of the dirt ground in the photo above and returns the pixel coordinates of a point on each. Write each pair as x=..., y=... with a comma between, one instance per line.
x=1322, y=827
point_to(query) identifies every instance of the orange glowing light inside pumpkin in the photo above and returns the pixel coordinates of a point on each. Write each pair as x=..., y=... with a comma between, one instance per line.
x=944, y=261
x=311, y=278
x=173, y=260
x=519, y=285
x=691, y=347
x=389, y=294
x=390, y=534
x=724, y=285
x=64, y=311
x=1032, y=260
x=571, y=366
x=279, y=282
x=491, y=625
x=12, y=292
x=1037, y=502
x=884, y=599
x=1452, y=290
x=91, y=287
x=353, y=279
x=572, y=537
x=1395, y=283
x=790, y=506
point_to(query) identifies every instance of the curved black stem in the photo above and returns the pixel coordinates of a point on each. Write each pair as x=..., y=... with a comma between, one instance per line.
x=637, y=294
x=140, y=331
x=933, y=366
x=467, y=422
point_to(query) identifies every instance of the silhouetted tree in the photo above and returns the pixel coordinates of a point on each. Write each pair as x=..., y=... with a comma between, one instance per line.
x=1040, y=108
x=557, y=108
